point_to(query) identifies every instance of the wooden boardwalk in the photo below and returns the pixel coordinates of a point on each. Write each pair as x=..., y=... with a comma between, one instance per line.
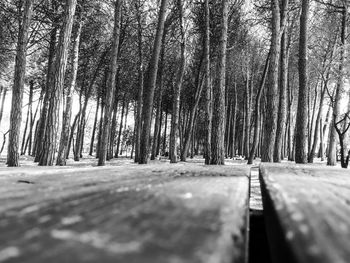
x=167, y=213
x=307, y=211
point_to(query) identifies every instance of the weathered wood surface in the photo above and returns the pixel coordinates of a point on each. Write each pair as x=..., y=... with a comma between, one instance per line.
x=307, y=212
x=166, y=213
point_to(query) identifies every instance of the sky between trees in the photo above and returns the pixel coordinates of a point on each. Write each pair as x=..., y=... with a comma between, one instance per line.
x=176, y=78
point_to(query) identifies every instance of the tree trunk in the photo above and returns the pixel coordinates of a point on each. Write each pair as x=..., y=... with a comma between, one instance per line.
x=248, y=117
x=218, y=124
x=94, y=127
x=282, y=112
x=50, y=139
x=177, y=91
x=3, y=103
x=38, y=145
x=317, y=127
x=301, y=120
x=165, y=133
x=257, y=112
x=150, y=86
x=67, y=115
x=342, y=130
x=29, y=117
x=111, y=85
x=208, y=88
x=100, y=130
x=116, y=154
x=30, y=142
x=159, y=135
x=190, y=124
x=18, y=86
x=332, y=148
x=71, y=135
x=234, y=122
x=157, y=123
x=138, y=123
x=270, y=127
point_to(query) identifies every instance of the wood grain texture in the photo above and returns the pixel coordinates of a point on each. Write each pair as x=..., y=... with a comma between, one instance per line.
x=310, y=206
x=163, y=213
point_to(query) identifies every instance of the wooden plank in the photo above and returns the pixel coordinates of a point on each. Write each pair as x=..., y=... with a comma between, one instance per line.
x=164, y=213
x=307, y=211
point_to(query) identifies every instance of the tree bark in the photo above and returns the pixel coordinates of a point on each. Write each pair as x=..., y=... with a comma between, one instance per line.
x=218, y=123
x=208, y=88
x=301, y=136
x=138, y=123
x=282, y=112
x=18, y=86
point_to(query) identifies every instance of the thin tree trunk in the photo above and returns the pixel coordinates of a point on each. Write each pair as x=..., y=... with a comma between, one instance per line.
x=257, y=112
x=234, y=122
x=100, y=130
x=191, y=122
x=67, y=115
x=138, y=122
x=165, y=132
x=321, y=151
x=159, y=135
x=159, y=102
x=244, y=112
x=3, y=103
x=116, y=154
x=94, y=127
x=248, y=116
x=29, y=117
x=177, y=91
x=71, y=134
